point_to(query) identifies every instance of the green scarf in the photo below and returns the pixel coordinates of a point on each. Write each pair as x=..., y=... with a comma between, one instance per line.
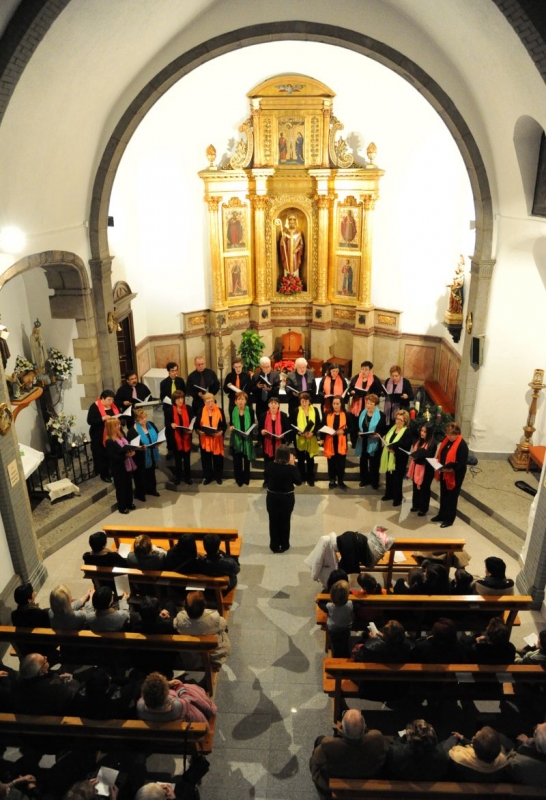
x=388, y=461
x=241, y=444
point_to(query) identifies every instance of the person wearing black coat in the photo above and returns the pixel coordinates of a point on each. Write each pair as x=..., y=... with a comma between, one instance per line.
x=420, y=471
x=441, y=646
x=201, y=381
x=398, y=393
x=98, y=413
x=266, y=383
x=300, y=380
x=178, y=417
x=360, y=387
x=131, y=392
x=491, y=647
x=417, y=756
x=394, y=458
x=453, y=455
x=281, y=476
x=145, y=458
x=238, y=378
x=371, y=425
x=168, y=386
x=122, y=465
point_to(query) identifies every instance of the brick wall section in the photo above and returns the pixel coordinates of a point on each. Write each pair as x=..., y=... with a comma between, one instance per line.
x=26, y=29
x=528, y=19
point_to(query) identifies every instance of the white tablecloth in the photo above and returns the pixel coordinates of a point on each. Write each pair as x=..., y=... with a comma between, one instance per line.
x=31, y=459
x=153, y=378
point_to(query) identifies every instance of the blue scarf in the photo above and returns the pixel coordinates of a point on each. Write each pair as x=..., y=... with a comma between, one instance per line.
x=151, y=454
x=372, y=444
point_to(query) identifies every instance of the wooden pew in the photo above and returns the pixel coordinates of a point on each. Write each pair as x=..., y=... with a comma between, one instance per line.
x=167, y=537
x=469, y=612
x=110, y=647
x=371, y=789
x=160, y=581
x=407, y=546
x=56, y=733
x=341, y=676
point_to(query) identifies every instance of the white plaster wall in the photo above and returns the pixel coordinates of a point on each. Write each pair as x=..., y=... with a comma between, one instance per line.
x=422, y=219
x=6, y=567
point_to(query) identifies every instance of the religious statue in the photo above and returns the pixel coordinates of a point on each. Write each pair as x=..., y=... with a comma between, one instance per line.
x=38, y=350
x=456, y=294
x=291, y=245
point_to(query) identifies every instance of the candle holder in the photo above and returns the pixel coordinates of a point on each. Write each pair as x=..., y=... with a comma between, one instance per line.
x=520, y=457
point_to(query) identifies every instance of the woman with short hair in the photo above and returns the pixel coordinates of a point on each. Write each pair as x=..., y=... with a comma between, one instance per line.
x=146, y=456
x=394, y=458
x=242, y=420
x=102, y=409
x=167, y=701
x=371, y=426
x=453, y=455
x=211, y=426
x=178, y=417
x=399, y=393
x=274, y=427
x=282, y=475
x=146, y=555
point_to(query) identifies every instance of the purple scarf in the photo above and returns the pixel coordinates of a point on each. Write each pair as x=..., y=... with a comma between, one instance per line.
x=392, y=407
x=130, y=465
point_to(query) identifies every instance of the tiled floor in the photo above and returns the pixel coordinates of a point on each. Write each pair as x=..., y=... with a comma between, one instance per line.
x=271, y=705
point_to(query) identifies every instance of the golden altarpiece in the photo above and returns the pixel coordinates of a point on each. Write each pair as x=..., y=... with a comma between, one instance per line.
x=291, y=224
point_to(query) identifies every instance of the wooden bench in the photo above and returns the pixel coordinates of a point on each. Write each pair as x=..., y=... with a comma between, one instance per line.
x=161, y=581
x=469, y=612
x=371, y=789
x=408, y=546
x=113, y=647
x=167, y=537
x=54, y=733
x=438, y=396
x=341, y=677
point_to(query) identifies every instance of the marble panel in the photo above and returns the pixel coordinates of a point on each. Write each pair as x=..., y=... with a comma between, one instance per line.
x=419, y=362
x=163, y=353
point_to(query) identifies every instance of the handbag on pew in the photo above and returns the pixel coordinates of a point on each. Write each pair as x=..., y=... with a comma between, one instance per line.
x=461, y=559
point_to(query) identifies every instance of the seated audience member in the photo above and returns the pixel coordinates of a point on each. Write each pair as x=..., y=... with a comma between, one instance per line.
x=37, y=691
x=368, y=586
x=103, y=698
x=417, y=756
x=20, y=788
x=495, y=581
x=100, y=555
x=67, y=614
x=389, y=645
x=183, y=556
x=155, y=791
x=335, y=576
x=216, y=563
x=156, y=617
x=527, y=761
x=196, y=620
x=480, y=760
x=534, y=655
x=357, y=753
x=441, y=646
x=28, y=613
x=166, y=701
x=105, y=616
x=493, y=646
x=413, y=584
x=145, y=555
x=340, y=619
x=462, y=582
x=436, y=578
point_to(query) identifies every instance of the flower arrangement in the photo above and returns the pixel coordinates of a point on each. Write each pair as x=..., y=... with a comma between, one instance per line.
x=290, y=284
x=22, y=364
x=284, y=366
x=59, y=426
x=59, y=365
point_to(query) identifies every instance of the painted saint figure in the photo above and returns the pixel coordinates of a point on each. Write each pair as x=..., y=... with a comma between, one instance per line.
x=348, y=228
x=236, y=287
x=291, y=246
x=282, y=148
x=299, y=148
x=235, y=231
x=347, y=272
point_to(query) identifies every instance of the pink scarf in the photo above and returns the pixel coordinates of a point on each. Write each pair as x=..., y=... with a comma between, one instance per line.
x=356, y=404
x=130, y=465
x=416, y=472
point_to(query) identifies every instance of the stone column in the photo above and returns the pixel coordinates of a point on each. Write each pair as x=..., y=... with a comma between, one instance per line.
x=532, y=578
x=481, y=273
x=259, y=206
x=15, y=508
x=101, y=277
x=323, y=205
x=364, y=284
x=218, y=288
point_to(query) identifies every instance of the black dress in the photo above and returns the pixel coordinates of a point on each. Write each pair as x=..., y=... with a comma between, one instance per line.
x=421, y=495
x=123, y=481
x=145, y=480
x=394, y=402
x=450, y=497
x=369, y=462
x=96, y=433
x=394, y=480
x=281, y=479
x=245, y=385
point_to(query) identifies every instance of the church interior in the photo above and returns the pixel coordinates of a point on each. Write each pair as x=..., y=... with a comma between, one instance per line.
x=361, y=181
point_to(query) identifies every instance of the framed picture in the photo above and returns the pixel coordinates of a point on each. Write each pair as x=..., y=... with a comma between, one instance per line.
x=236, y=271
x=349, y=227
x=235, y=227
x=346, y=277
x=291, y=142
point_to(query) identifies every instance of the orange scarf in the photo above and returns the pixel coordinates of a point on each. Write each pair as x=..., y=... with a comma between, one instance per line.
x=451, y=458
x=357, y=400
x=341, y=440
x=336, y=387
x=181, y=438
x=103, y=413
x=212, y=444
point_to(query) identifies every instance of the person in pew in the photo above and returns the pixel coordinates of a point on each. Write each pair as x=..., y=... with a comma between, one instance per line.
x=216, y=564
x=183, y=556
x=368, y=586
x=441, y=646
x=436, y=578
x=412, y=584
x=462, y=582
x=28, y=613
x=145, y=555
x=155, y=791
x=100, y=555
x=166, y=701
x=527, y=761
x=417, y=756
x=106, y=617
x=146, y=458
x=534, y=655
x=453, y=454
x=481, y=759
x=103, y=698
x=155, y=617
x=38, y=691
x=340, y=619
x=357, y=753
x=21, y=788
x=67, y=614
x=178, y=417
x=495, y=581
x=335, y=576
x=394, y=458
x=390, y=645
x=197, y=620
x=491, y=647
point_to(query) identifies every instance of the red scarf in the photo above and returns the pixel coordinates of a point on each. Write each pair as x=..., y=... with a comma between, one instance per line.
x=451, y=458
x=103, y=413
x=357, y=401
x=341, y=440
x=416, y=471
x=181, y=438
x=212, y=444
x=270, y=444
x=337, y=389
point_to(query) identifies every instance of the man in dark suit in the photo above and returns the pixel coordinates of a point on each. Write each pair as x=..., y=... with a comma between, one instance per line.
x=168, y=386
x=302, y=380
x=131, y=392
x=265, y=385
x=200, y=381
x=240, y=379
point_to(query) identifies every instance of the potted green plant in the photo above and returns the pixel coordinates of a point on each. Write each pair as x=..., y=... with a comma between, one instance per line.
x=251, y=349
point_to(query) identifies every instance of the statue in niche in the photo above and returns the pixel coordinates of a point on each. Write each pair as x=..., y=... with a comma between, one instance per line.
x=38, y=352
x=291, y=245
x=456, y=293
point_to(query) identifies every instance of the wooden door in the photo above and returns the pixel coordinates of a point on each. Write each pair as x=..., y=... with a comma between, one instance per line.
x=126, y=345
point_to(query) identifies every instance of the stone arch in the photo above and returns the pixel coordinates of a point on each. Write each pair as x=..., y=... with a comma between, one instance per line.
x=67, y=276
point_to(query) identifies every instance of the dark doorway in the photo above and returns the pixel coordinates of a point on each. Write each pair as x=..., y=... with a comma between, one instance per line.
x=126, y=344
